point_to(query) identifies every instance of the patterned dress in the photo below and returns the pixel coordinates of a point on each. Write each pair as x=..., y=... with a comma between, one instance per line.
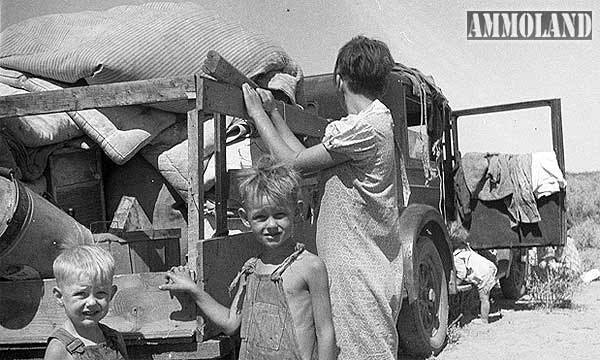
x=357, y=236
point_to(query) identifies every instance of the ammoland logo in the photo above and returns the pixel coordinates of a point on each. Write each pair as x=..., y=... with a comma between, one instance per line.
x=529, y=25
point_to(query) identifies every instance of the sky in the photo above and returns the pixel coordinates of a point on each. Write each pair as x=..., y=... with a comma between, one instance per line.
x=431, y=36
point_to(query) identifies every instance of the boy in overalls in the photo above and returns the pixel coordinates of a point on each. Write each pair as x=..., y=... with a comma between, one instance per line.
x=282, y=304
x=84, y=288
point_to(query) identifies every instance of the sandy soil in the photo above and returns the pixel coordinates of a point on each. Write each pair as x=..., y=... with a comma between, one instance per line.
x=534, y=334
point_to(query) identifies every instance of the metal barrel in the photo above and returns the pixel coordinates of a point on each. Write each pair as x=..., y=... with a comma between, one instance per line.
x=33, y=230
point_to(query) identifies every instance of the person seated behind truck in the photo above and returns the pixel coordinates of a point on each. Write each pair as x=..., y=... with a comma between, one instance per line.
x=84, y=288
x=284, y=279
x=473, y=268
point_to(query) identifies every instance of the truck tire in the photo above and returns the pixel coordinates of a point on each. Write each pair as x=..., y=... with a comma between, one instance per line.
x=422, y=324
x=514, y=285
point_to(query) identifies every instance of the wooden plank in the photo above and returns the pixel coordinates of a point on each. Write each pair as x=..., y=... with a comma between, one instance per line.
x=118, y=248
x=209, y=349
x=172, y=349
x=196, y=191
x=29, y=312
x=221, y=98
x=130, y=216
x=221, y=178
x=219, y=68
x=229, y=100
x=98, y=96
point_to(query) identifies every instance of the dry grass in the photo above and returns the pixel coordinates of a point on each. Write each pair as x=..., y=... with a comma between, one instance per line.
x=583, y=204
x=551, y=289
x=453, y=333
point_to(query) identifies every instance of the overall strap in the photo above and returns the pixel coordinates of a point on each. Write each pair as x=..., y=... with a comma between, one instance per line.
x=276, y=275
x=248, y=268
x=71, y=343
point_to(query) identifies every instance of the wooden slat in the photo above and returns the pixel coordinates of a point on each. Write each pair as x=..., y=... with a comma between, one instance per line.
x=169, y=349
x=221, y=178
x=98, y=96
x=209, y=349
x=29, y=312
x=196, y=191
x=130, y=216
x=229, y=100
x=219, y=68
x=218, y=97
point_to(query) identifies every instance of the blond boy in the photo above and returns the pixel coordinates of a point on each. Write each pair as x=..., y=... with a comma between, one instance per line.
x=282, y=306
x=84, y=288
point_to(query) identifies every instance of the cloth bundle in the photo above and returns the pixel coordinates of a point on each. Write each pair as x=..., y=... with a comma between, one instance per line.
x=137, y=42
x=519, y=179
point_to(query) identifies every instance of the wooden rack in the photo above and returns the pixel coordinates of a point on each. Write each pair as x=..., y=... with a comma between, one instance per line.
x=159, y=326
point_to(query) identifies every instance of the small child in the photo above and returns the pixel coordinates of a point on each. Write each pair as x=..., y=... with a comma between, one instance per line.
x=473, y=268
x=282, y=304
x=84, y=288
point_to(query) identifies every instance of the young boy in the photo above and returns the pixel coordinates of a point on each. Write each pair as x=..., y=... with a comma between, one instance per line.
x=282, y=304
x=84, y=288
x=473, y=268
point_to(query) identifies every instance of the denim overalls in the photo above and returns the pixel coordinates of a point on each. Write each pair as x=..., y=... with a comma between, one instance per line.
x=267, y=330
x=112, y=349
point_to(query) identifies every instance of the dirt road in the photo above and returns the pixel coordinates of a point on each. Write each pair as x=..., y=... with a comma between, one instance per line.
x=534, y=334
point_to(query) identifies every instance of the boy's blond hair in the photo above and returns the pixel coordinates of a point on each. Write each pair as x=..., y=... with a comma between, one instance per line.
x=88, y=260
x=458, y=235
x=271, y=181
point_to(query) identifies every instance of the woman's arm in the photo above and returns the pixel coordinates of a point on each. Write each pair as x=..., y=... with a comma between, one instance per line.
x=268, y=103
x=304, y=159
x=318, y=286
x=179, y=280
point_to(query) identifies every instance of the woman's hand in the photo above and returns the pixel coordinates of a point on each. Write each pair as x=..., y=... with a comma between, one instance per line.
x=179, y=278
x=268, y=102
x=253, y=102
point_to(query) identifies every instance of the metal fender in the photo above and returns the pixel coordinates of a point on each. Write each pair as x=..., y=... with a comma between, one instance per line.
x=419, y=219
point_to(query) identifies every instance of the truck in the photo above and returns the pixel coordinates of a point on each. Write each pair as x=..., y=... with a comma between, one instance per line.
x=159, y=325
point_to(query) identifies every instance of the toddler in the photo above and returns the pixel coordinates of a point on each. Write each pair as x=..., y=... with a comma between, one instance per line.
x=473, y=268
x=84, y=288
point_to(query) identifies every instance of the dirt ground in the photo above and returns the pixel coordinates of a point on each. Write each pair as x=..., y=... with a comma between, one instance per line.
x=527, y=334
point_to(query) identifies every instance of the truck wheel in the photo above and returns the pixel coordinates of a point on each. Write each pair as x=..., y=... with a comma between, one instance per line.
x=514, y=285
x=422, y=324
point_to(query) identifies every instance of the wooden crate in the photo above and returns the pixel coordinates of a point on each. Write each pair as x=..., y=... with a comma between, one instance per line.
x=75, y=183
x=142, y=250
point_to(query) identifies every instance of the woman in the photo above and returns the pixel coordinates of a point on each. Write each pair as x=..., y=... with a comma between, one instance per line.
x=358, y=216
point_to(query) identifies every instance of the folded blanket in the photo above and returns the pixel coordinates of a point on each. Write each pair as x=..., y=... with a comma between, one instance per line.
x=136, y=42
x=38, y=130
x=120, y=131
x=168, y=153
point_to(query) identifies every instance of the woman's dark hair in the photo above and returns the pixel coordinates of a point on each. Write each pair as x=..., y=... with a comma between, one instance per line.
x=365, y=65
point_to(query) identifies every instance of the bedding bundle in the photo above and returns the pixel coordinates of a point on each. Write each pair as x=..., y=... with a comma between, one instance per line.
x=126, y=43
